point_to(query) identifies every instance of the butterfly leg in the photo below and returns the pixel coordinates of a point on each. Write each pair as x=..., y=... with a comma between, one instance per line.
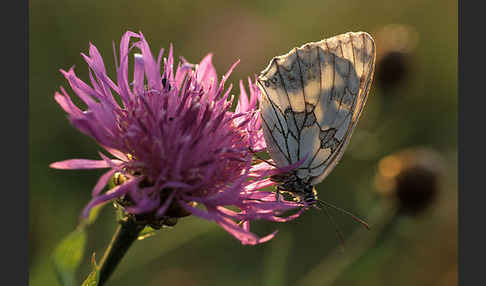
x=277, y=195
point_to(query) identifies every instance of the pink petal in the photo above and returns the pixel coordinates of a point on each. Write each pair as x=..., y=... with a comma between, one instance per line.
x=116, y=192
x=80, y=164
x=260, y=184
x=120, y=155
x=122, y=69
x=161, y=211
x=138, y=75
x=267, y=237
x=65, y=102
x=206, y=73
x=103, y=180
x=243, y=100
x=113, y=163
x=246, y=237
x=82, y=90
x=198, y=212
x=181, y=72
x=272, y=217
x=261, y=167
x=228, y=195
x=152, y=70
x=255, y=93
x=176, y=185
x=143, y=202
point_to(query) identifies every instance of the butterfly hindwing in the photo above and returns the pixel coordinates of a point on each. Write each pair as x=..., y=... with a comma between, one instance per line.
x=312, y=99
x=275, y=130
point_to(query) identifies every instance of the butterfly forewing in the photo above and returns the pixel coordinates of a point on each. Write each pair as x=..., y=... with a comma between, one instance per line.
x=312, y=99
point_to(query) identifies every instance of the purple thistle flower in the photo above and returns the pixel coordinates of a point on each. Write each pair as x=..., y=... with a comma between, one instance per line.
x=176, y=142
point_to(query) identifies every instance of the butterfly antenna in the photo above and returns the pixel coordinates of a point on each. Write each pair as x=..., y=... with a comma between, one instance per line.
x=260, y=158
x=336, y=228
x=357, y=219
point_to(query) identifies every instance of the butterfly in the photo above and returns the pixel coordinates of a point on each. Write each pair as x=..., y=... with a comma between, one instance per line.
x=312, y=98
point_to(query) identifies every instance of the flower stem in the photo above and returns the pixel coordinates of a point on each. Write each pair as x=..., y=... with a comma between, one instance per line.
x=125, y=235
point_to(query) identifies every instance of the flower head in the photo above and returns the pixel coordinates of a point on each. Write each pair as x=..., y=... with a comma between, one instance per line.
x=175, y=141
x=411, y=178
x=396, y=56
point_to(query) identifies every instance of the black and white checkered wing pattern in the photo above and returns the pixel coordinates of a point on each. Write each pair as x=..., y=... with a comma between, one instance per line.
x=312, y=99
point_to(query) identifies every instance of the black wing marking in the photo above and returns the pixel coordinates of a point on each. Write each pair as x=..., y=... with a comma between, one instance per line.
x=317, y=93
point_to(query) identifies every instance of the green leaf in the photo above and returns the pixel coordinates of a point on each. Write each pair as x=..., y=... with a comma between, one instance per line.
x=93, y=214
x=146, y=232
x=94, y=277
x=67, y=256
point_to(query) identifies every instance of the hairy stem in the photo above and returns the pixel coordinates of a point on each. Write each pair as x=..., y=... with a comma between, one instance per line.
x=125, y=235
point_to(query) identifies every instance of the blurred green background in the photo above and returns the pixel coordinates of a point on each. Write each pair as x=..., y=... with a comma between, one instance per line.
x=412, y=104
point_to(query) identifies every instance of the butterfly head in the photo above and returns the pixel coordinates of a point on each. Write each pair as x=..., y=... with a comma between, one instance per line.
x=309, y=196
